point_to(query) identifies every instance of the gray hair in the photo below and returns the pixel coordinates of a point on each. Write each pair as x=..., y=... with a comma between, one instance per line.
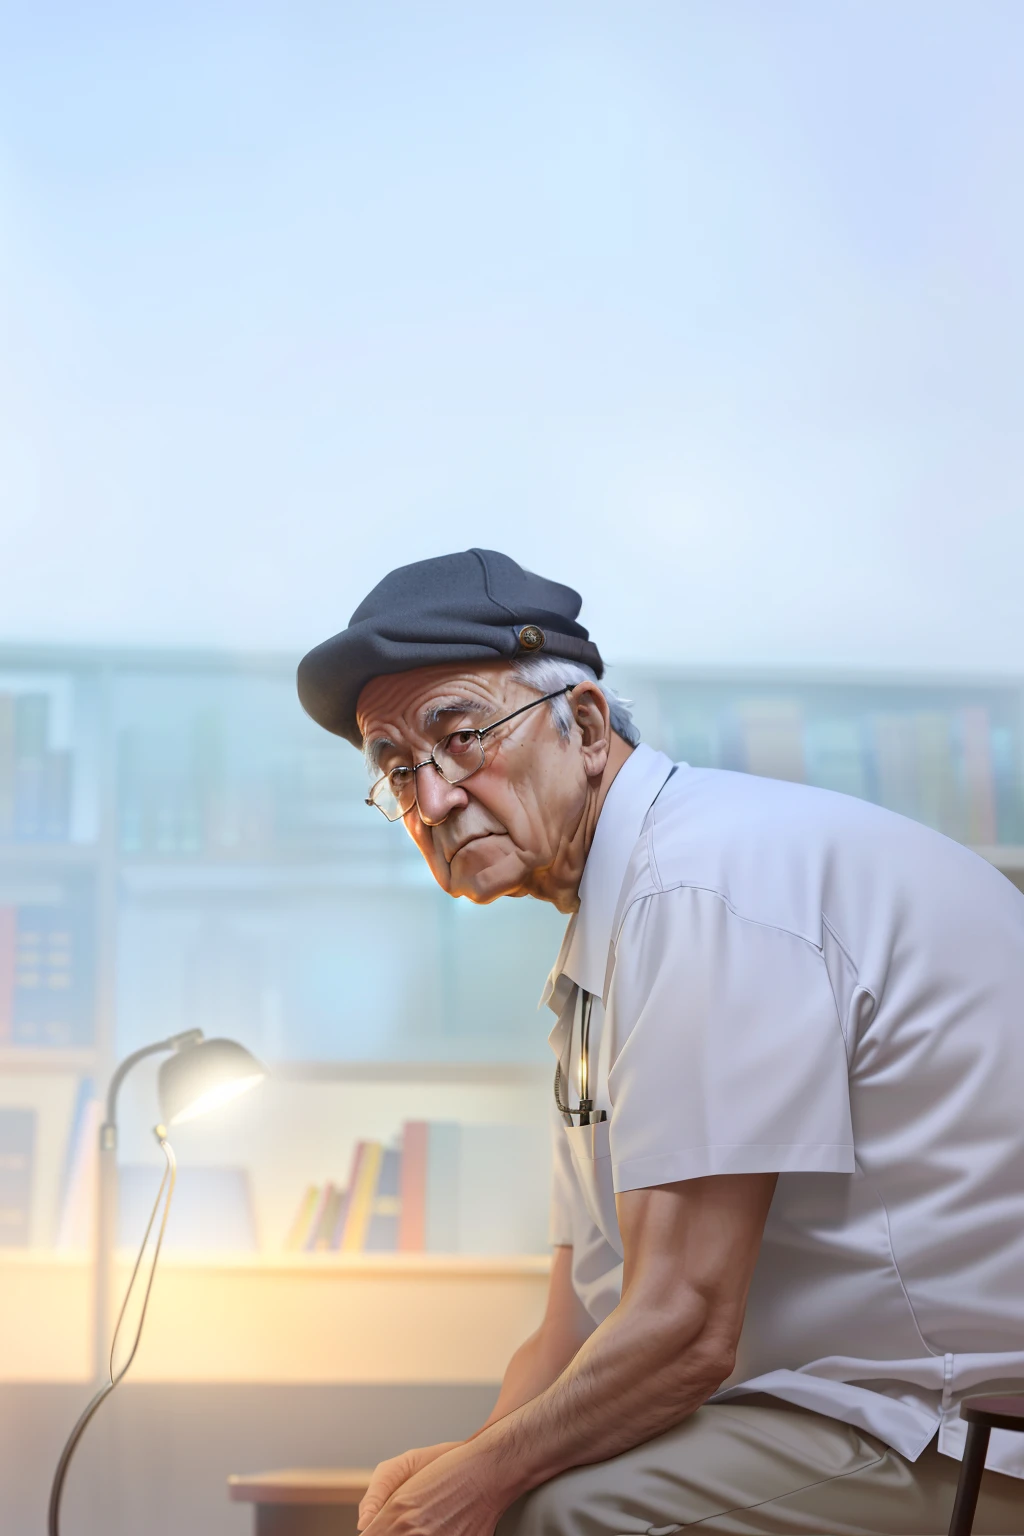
x=546, y=673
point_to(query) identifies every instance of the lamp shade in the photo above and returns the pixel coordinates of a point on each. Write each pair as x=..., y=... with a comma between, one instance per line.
x=202, y=1076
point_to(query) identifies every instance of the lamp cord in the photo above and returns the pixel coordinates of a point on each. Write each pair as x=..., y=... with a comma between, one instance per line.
x=166, y=1184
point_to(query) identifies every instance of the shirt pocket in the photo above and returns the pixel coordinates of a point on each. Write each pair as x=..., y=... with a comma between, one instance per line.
x=592, y=1164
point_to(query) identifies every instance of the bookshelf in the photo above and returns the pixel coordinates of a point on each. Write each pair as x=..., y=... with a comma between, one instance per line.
x=206, y=848
x=241, y=1318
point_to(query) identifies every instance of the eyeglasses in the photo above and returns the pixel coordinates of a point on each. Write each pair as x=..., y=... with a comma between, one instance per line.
x=455, y=757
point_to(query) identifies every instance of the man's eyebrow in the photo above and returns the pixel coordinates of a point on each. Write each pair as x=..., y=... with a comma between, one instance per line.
x=433, y=714
x=372, y=753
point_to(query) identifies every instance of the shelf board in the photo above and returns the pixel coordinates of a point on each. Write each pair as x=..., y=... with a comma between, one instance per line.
x=289, y=1318
x=49, y=855
x=31, y=1058
x=528, y=1073
x=395, y=1265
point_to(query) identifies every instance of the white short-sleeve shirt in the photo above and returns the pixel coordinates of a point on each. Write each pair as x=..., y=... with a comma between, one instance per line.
x=790, y=980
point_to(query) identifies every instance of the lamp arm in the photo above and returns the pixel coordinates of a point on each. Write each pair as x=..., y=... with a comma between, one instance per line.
x=108, y=1134
x=113, y=1379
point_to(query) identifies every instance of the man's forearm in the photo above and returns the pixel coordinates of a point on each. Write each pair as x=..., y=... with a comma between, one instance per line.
x=637, y=1375
x=534, y=1367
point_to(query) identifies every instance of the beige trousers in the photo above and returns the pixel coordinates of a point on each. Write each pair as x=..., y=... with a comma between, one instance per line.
x=762, y=1466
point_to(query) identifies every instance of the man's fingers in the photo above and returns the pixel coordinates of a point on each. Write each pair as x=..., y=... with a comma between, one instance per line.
x=388, y=1476
x=391, y=1474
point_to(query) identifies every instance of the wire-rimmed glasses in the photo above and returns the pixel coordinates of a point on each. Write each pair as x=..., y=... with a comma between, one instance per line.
x=455, y=757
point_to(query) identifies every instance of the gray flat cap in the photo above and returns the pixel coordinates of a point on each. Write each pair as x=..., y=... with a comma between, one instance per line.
x=477, y=605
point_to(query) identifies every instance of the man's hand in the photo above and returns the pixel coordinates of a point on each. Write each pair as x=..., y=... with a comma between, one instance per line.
x=391, y=1474
x=534, y=1366
x=449, y=1496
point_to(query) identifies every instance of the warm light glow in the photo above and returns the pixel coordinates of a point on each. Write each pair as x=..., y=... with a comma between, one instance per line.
x=213, y=1098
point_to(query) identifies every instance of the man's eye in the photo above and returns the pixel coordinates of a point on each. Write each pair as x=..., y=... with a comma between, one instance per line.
x=458, y=741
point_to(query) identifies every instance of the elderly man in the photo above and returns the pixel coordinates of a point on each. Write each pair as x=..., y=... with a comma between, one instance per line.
x=788, y=1206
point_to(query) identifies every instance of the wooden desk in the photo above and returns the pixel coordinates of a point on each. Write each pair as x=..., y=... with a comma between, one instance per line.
x=301, y=1502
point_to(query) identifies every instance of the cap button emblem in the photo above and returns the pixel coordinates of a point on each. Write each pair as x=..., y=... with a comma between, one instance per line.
x=531, y=638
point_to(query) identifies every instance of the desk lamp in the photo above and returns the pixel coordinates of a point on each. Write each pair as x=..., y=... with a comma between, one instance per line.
x=198, y=1076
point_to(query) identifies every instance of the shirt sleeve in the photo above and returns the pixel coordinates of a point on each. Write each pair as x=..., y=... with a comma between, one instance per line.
x=560, y=1218
x=727, y=1054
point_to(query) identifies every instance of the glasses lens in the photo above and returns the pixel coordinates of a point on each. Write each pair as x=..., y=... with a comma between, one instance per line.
x=395, y=794
x=458, y=755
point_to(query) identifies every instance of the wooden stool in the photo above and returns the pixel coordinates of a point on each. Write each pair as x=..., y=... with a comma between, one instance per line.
x=303, y=1503
x=983, y=1415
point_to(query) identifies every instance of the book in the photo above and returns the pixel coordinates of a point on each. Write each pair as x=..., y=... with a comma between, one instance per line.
x=979, y=783
x=50, y=1096
x=31, y=730
x=56, y=797
x=17, y=1155
x=316, y=1218
x=896, y=746
x=322, y=1234
x=363, y=1187
x=299, y=1230
x=52, y=976
x=385, y=1206
x=412, y=1230
x=835, y=756
x=1008, y=782
x=8, y=932
x=772, y=736
x=469, y=1189
x=939, y=803
x=441, y=1219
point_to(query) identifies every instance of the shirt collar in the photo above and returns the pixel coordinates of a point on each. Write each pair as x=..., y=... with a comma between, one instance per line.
x=583, y=958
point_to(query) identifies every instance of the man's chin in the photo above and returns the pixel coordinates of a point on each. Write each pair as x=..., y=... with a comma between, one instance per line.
x=485, y=869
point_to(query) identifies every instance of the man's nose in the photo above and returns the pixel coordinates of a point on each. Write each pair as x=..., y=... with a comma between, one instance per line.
x=435, y=797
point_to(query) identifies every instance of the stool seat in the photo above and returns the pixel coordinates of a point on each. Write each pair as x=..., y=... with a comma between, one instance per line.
x=333, y=1485
x=300, y=1501
x=996, y=1412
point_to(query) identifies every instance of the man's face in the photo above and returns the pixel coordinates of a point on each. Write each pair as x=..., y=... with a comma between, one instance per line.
x=499, y=831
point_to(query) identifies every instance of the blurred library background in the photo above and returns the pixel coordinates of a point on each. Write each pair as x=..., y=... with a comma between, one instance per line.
x=180, y=847
x=712, y=312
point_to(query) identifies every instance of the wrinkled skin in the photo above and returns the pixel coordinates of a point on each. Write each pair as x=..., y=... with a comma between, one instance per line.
x=523, y=823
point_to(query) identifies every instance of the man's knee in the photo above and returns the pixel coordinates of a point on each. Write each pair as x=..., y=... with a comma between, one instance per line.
x=538, y=1513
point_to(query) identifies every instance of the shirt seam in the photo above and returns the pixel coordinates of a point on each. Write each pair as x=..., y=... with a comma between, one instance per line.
x=935, y=1353
x=710, y=890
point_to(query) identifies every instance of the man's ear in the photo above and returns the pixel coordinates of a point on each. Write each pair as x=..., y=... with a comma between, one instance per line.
x=593, y=721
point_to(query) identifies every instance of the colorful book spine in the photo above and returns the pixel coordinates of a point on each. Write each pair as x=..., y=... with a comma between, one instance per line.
x=323, y=1233
x=317, y=1218
x=385, y=1207
x=442, y=1202
x=369, y=1156
x=298, y=1232
x=412, y=1221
